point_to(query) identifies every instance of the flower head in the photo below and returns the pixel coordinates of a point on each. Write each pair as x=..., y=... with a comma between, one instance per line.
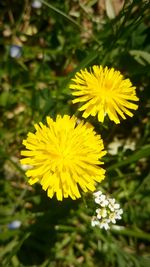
x=14, y=225
x=104, y=91
x=101, y=213
x=104, y=224
x=36, y=4
x=63, y=155
x=101, y=199
x=108, y=211
x=15, y=51
x=94, y=221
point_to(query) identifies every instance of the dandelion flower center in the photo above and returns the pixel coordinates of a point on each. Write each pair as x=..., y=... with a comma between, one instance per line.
x=63, y=155
x=104, y=91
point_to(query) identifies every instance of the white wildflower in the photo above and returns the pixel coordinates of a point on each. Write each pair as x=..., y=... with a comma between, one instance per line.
x=14, y=225
x=94, y=222
x=100, y=199
x=101, y=213
x=113, y=205
x=118, y=214
x=104, y=224
x=108, y=211
x=97, y=194
x=114, y=146
x=112, y=217
x=15, y=51
x=36, y=4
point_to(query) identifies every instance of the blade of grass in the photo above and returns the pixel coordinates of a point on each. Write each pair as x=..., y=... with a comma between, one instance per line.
x=16, y=246
x=61, y=13
x=131, y=232
x=143, y=153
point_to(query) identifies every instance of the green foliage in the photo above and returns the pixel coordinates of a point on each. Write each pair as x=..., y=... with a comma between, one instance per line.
x=57, y=40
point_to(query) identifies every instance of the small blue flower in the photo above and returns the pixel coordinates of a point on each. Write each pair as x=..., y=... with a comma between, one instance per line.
x=14, y=225
x=15, y=51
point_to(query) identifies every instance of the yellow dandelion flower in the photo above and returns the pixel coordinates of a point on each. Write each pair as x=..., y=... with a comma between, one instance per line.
x=64, y=154
x=104, y=91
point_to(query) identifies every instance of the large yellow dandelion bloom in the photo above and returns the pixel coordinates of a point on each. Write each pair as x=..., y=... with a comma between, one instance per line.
x=104, y=91
x=64, y=154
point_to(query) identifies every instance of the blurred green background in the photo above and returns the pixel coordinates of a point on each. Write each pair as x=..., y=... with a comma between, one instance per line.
x=42, y=45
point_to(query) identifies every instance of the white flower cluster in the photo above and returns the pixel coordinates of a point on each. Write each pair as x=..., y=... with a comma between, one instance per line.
x=108, y=212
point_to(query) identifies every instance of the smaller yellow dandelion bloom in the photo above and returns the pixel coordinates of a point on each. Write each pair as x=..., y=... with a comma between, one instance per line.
x=64, y=154
x=104, y=91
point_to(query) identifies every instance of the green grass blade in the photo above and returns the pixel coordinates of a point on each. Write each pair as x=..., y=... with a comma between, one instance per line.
x=143, y=153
